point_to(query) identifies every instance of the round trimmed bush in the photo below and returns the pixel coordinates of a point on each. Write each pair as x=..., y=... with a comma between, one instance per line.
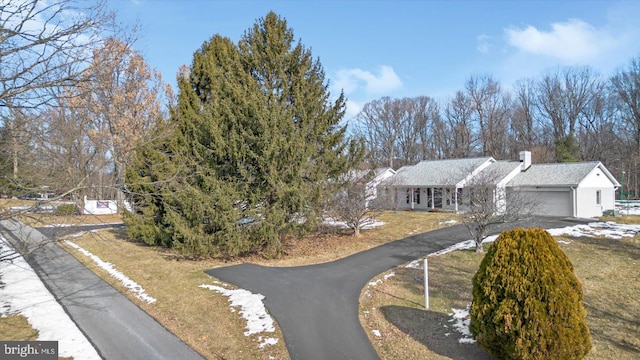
x=527, y=301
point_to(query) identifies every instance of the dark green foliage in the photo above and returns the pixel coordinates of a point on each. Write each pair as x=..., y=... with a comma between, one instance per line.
x=67, y=209
x=527, y=302
x=252, y=141
x=567, y=149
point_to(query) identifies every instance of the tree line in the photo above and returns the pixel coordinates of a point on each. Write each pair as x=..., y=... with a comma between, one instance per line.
x=568, y=114
x=76, y=100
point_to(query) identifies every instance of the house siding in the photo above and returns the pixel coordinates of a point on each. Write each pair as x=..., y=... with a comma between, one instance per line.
x=587, y=195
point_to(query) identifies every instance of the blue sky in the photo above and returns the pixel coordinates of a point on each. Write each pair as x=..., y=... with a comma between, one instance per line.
x=372, y=49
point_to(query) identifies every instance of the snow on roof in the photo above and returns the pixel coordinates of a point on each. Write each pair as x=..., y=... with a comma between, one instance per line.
x=436, y=172
x=561, y=174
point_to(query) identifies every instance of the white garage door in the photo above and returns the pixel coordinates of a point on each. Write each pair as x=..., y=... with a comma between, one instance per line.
x=554, y=203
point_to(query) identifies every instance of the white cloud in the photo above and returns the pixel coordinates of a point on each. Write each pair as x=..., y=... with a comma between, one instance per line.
x=484, y=43
x=383, y=82
x=352, y=110
x=574, y=41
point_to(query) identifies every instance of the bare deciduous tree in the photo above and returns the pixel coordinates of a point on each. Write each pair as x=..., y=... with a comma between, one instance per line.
x=124, y=101
x=458, y=118
x=356, y=203
x=488, y=203
x=491, y=109
x=562, y=99
x=44, y=47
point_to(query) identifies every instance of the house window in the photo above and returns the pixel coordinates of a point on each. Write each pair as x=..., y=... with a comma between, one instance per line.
x=417, y=195
x=408, y=196
x=598, y=198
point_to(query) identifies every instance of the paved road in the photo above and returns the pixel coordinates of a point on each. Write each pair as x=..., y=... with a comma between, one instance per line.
x=116, y=327
x=53, y=232
x=316, y=306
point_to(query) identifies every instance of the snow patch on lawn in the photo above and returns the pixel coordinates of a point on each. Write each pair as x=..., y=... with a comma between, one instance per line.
x=379, y=281
x=134, y=287
x=469, y=244
x=448, y=222
x=461, y=320
x=252, y=309
x=22, y=293
x=368, y=223
x=608, y=229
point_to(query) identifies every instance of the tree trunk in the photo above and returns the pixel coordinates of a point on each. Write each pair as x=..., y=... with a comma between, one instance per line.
x=15, y=157
x=119, y=186
x=479, y=248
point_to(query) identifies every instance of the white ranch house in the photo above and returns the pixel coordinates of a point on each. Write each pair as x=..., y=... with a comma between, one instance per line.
x=583, y=190
x=373, y=179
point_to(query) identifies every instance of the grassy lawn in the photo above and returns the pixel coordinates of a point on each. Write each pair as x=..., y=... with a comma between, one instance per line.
x=608, y=270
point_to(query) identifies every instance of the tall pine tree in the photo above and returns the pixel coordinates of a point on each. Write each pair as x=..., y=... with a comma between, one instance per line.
x=255, y=139
x=299, y=143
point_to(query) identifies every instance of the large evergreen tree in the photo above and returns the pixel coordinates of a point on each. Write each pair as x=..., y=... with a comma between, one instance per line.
x=255, y=137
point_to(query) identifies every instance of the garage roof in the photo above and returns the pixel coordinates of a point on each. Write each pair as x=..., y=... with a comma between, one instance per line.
x=561, y=174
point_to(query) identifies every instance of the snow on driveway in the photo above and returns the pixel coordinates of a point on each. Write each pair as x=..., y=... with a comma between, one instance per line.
x=22, y=293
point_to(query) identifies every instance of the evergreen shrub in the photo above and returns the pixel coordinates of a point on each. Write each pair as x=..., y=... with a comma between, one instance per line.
x=67, y=209
x=527, y=301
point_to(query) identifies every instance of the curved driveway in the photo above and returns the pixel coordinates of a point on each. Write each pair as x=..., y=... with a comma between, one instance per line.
x=316, y=306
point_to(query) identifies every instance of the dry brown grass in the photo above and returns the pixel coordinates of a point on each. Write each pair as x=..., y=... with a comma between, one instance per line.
x=608, y=270
x=331, y=245
x=16, y=328
x=7, y=203
x=202, y=318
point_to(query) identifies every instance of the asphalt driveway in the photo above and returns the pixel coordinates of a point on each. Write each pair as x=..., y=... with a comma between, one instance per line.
x=116, y=327
x=316, y=306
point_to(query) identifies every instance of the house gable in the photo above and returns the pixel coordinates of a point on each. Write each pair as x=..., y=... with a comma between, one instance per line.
x=599, y=177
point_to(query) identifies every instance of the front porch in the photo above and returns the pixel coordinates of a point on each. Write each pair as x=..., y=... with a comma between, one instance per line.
x=428, y=198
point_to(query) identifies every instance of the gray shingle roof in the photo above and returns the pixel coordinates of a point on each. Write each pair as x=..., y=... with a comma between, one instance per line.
x=497, y=171
x=436, y=172
x=561, y=174
x=362, y=174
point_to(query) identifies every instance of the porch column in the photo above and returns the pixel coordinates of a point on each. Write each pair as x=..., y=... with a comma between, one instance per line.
x=456, y=198
x=412, y=198
x=433, y=198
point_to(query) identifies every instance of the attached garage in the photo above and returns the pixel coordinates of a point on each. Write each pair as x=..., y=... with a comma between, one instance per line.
x=584, y=189
x=549, y=201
